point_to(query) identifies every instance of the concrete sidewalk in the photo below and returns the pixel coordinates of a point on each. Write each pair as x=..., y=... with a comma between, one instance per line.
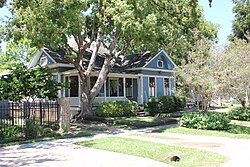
x=63, y=153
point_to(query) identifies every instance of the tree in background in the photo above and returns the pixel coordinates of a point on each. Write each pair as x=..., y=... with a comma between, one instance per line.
x=199, y=73
x=234, y=70
x=121, y=26
x=241, y=24
x=29, y=84
x=15, y=54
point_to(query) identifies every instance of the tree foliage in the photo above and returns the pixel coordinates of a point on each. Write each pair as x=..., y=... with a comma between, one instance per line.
x=199, y=74
x=23, y=83
x=120, y=26
x=234, y=70
x=16, y=53
x=241, y=24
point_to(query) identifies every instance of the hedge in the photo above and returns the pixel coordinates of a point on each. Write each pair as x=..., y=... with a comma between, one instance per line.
x=205, y=120
x=116, y=109
x=165, y=104
x=242, y=114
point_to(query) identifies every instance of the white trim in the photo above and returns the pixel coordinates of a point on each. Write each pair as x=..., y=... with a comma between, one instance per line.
x=49, y=56
x=156, y=76
x=142, y=93
x=59, y=80
x=124, y=86
x=60, y=65
x=150, y=69
x=162, y=51
x=156, y=94
x=105, y=90
x=158, y=63
x=35, y=58
x=95, y=73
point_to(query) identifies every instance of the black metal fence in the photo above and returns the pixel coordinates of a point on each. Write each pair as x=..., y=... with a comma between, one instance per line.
x=16, y=113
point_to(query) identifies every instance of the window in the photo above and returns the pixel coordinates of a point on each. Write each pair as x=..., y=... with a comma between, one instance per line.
x=129, y=87
x=166, y=86
x=151, y=87
x=73, y=85
x=43, y=60
x=160, y=63
x=113, y=85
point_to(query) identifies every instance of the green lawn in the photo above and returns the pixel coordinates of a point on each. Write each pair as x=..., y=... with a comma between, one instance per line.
x=138, y=122
x=160, y=152
x=235, y=131
x=243, y=123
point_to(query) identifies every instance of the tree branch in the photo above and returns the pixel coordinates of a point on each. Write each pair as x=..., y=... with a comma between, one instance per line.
x=94, y=53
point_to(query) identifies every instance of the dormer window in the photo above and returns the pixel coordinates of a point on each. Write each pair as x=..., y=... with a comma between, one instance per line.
x=160, y=63
x=43, y=60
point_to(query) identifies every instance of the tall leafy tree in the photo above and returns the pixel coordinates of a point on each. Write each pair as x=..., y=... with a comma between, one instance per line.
x=29, y=84
x=241, y=24
x=199, y=73
x=234, y=70
x=121, y=26
x=16, y=53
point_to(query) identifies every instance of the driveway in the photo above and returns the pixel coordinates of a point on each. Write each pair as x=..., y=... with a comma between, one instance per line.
x=63, y=152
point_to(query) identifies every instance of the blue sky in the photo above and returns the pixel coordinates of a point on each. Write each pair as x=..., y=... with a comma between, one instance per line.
x=220, y=13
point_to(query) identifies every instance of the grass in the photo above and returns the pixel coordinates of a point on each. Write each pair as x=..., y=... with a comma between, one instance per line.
x=234, y=131
x=242, y=123
x=102, y=129
x=138, y=122
x=147, y=135
x=160, y=152
x=4, y=143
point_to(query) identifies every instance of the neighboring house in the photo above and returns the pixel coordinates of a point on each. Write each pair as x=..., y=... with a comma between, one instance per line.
x=133, y=77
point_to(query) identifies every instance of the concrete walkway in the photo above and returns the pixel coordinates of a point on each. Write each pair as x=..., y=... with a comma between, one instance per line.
x=63, y=152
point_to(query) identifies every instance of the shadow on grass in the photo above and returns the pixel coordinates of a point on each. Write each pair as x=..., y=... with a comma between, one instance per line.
x=140, y=122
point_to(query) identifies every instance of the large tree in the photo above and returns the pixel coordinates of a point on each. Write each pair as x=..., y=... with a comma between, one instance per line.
x=199, y=74
x=241, y=23
x=118, y=25
x=30, y=84
x=16, y=53
x=234, y=70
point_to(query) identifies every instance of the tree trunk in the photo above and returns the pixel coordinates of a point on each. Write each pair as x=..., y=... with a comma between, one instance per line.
x=243, y=103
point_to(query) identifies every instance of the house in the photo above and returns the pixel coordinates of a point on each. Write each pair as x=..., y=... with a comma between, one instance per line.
x=134, y=77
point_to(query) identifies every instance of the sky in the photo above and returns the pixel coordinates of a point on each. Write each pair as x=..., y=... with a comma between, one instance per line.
x=220, y=13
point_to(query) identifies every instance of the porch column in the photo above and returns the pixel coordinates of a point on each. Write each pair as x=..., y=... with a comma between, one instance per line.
x=105, y=91
x=79, y=90
x=124, y=86
x=140, y=89
x=59, y=91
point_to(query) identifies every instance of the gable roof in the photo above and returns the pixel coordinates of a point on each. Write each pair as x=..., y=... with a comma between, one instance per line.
x=159, y=53
x=121, y=63
x=136, y=60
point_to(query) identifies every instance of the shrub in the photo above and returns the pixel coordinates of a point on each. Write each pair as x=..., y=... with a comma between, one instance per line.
x=242, y=114
x=32, y=129
x=165, y=104
x=205, y=120
x=152, y=106
x=116, y=109
x=10, y=132
x=180, y=102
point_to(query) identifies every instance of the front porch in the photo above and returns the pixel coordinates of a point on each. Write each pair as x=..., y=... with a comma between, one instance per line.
x=121, y=87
